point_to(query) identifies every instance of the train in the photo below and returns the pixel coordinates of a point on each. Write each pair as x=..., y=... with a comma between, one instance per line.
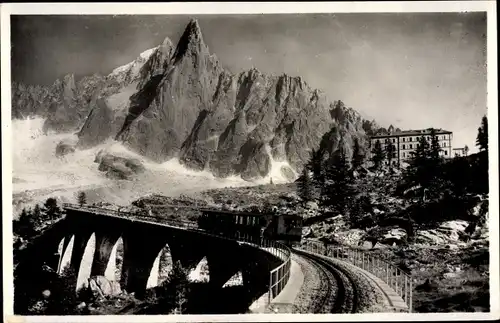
x=286, y=228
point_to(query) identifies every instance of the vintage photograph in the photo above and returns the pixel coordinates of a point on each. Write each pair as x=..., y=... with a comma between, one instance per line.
x=305, y=163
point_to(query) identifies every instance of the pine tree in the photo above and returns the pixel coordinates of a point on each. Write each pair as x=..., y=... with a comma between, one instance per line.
x=435, y=148
x=357, y=155
x=82, y=198
x=25, y=225
x=378, y=155
x=315, y=165
x=304, y=186
x=389, y=152
x=435, y=167
x=337, y=189
x=416, y=175
x=63, y=299
x=38, y=216
x=482, y=135
x=173, y=291
x=51, y=209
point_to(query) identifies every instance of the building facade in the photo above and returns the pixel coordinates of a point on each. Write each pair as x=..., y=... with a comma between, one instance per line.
x=459, y=152
x=405, y=142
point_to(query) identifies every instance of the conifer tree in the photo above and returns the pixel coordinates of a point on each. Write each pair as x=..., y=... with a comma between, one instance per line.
x=51, y=209
x=357, y=155
x=24, y=226
x=435, y=148
x=337, y=189
x=416, y=174
x=315, y=165
x=482, y=135
x=378, y=155
x=305, y=186
x=389, y=152
x=82, y=198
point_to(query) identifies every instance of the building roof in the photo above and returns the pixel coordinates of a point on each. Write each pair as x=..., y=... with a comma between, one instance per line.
x=413, y=133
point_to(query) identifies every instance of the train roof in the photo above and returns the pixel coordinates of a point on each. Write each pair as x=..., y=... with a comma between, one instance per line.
x=245, y=213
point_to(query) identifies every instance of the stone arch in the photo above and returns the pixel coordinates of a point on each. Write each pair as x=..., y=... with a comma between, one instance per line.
x=115, y=264
x=66, y=247
x=235, y=280
x=161, y=267
x=200, y=272
x=86, y=263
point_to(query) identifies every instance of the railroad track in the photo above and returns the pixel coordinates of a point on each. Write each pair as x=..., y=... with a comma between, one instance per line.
x=340, y=294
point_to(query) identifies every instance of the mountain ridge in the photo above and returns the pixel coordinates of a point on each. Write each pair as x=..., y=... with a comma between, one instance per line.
x=186, y=105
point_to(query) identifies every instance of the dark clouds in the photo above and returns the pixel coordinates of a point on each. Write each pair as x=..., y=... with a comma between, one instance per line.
x=412, y=70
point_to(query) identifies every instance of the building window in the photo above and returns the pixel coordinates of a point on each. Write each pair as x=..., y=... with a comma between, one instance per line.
x=403, y=139
x=411, y=146
x=446, y=153
x=404, y=147
x=444, y=144
x=394, y=155
x=394, y=140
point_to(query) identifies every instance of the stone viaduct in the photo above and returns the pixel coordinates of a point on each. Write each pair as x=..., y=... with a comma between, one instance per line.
x=142, y=244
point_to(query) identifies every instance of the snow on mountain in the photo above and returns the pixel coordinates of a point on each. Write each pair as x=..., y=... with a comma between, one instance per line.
x=130, y=71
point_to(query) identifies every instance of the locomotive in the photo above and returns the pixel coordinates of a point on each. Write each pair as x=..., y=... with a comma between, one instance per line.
x=286, y=228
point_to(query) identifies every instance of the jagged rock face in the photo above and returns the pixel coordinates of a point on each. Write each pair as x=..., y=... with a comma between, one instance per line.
x=229, y=124
x=99, y=125
x=180, y=102
x=67, y=103
x=158, y=129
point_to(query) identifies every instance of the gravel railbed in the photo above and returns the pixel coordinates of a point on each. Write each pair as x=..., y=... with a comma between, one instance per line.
x=370, y=299
x=342, y=293
x=307, y=299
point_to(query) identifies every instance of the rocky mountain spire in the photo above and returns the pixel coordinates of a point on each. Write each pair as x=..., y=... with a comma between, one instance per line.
x=191, y=41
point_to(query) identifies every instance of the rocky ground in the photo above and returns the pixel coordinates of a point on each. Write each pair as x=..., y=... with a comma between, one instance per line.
x=450, y=267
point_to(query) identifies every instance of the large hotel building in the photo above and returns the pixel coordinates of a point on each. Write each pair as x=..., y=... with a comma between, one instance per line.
x=406, y=141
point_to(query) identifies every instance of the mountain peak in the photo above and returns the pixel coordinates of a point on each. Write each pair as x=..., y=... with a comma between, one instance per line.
x=194, y=27
x=191, y=40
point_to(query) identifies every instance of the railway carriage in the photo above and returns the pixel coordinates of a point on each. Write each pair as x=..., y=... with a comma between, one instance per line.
x=282, y=227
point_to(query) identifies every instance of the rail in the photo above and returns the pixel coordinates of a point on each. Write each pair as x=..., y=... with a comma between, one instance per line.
x=278, y=276
x=396, y=278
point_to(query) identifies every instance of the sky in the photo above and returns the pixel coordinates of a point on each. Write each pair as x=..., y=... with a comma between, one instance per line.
x=410, y=70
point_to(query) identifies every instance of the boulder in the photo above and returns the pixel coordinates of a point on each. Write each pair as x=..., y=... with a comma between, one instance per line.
x=100, y=286
x=350, y=237
x=65, y=147
x=287, y=173
x=312, y=205
x=455, y=225
x=396, y=236
x=118, y=167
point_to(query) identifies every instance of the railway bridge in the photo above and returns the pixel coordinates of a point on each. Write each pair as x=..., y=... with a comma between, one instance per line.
x=143, y=240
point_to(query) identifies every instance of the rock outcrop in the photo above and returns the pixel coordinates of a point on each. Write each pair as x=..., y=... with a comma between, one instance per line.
x=99, y=126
